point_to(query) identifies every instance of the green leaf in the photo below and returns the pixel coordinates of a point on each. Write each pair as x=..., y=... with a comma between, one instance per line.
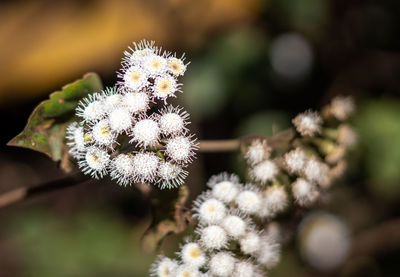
x=46, y=126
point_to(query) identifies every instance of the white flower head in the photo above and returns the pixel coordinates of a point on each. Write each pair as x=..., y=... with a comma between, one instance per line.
x=222, y=264
x=269, y=253
x=257, y=151
x=192, y=255
x=91, y=108
x=136, y=102
x=76, y=139
x=164, y=267
x=171, y=175
x=213, y=237
x=176, y=66
x=145, y=166
x=95, y=162
x=181, y=149
x=250, y=243
x=304, y=192
x=276, y=199
x=249, y=200
x=234, y=225
x=112, y=98
x=102, y=134
x=295, y=160
x=137, y=54
x=209, y=210
x=245, y=268
x=186, y=271
x=316, y=171
x=134, y=78
x=264, y=172
x=224, y=186
x=173, y=121
x=308, y=123
x=347, y=136
x=342, y=107
x=120, y=119
x=155, y=65
x=146, y=132
x=122, y=169
x=164, y=87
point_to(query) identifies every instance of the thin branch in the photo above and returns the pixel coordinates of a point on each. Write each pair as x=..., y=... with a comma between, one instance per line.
x=219, y=145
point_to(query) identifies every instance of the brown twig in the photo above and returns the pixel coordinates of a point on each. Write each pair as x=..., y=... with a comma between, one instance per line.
x=219, y=145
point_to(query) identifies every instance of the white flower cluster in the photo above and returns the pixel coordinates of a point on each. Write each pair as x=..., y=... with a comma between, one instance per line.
x=115, y=134
x=225, y=221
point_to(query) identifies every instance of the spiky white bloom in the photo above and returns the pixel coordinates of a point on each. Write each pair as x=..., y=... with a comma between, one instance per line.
x=225, y=191
x=136, y=102
x=193, y=255
x=249, y=201
x=164, y=267
x=91, y=108
x=176, y=66
x=295, y=160
x=275, y=197
x=171, y=175
x=269, y=253
x=304, y=192
x=146, y=132
x=164, y=87
x=187, y=271
x=250, y=243
x=347, y=136
x=257, y=152
x=342, y=107
x=122, y=169
x=139, y=51
x=173, y=121
x=264, y=171
x=316, y=171
x=134, y=78
x=308, y=123
x=234, y=225
x=120, y=120
x=213, y=237
x=145, y=167
x=180, y=149
x=76, y=140
x=102, y=133
x=222, y=264
x=155, y=65
x=95, y=162
x=111, y=99
x=209, y=211
x=245, y=269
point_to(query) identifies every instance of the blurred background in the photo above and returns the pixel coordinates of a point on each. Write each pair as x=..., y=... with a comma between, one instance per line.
x=254, y=65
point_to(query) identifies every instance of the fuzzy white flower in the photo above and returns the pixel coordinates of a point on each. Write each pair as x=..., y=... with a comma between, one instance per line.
x=209, y=211
x=264, y=171
x=134, y=78
x=171, y=175
x=275, y=197
x=140, y=50
x=234, y=225
x=250, y=243
x=76, y=140
x=245, y=269
x=342, y=107
x=173, y=121
x=91, y=108
x=165, y=87
x=102, y=133
x=249, y=201
x=95, y=162
x=136, y=102
x=213, y=237
x=120, y=120
x=257, y=152
x=155, y=65
x=347, y=136
x=308, y=123
x=316, y=171
x=222, y=264
x=304, y=192
x=146, y=132
x=225, y=191
x=111, y=99
x=269, y=253
x=186, y=271
x=122, y=169
x=176, y=66
x=145, y=167
x=180, y=149
x=295, y=160
x=164, y=267
x=192, y=255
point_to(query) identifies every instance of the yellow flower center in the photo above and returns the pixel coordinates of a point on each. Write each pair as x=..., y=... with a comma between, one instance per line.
x=194, y=252
x=135, y=76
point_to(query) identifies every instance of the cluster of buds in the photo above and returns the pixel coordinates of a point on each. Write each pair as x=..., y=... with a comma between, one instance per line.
x=227, y=241
x=115, y=133
x=314, y=158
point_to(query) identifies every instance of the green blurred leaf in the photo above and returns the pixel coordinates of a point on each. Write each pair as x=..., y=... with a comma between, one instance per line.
x=46, y=126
